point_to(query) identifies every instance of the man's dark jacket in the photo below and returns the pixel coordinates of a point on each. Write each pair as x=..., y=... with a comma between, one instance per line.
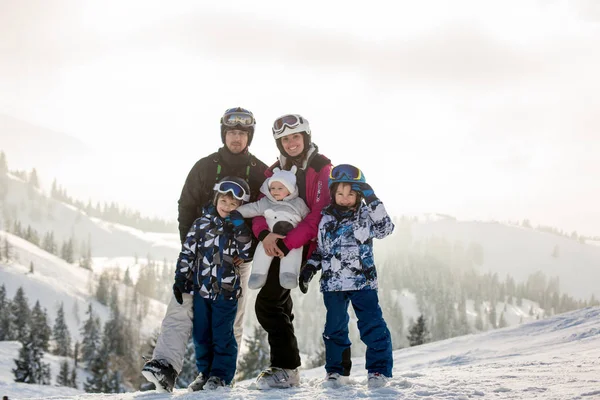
x=198, y=188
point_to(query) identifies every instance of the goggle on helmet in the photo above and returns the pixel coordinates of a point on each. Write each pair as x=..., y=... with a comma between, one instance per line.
x=289, y=124
x=345, y=173
x=238, y=118
x=235, y=186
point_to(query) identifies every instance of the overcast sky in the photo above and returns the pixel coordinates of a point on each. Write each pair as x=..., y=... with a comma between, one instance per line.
x=479, y=109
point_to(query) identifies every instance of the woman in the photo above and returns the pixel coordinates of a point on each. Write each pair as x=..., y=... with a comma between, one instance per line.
x=274, y=303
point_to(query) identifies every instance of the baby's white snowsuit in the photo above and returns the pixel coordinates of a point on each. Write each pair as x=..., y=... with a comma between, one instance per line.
x=282, y=216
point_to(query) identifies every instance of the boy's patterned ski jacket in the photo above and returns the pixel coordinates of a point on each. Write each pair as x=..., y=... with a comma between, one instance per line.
x=345, y=246
x=206, y=257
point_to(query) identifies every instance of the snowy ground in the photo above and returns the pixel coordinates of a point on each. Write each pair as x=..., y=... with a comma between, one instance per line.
x=554, y=358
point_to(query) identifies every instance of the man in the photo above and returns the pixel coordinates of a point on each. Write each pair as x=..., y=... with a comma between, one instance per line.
x=233, y=159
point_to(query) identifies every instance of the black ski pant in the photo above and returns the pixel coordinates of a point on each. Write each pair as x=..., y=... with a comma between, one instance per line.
x=274, y=313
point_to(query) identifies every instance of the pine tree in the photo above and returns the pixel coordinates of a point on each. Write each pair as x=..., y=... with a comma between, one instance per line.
x=6, y=329
x=502, y=323
x=103, y=290
x=33, y=179
x=105, y=375
x=127, y=279
x=39, y=324
x=463, y=322
x=6, y=251
x=75, y=354
x=188, y=370
x=257, y=357
x=63, y=378
x=61, y=335
x=3, y=164
x=67, y=251
x=90, y=344
x=320, y=356
x=29, y=366
x=49, y=244
x=85, y=261
x=99, y=380
x=493, y=316
x=417, y=333
x=73, y=378
x=20, y=314
x=479, y=319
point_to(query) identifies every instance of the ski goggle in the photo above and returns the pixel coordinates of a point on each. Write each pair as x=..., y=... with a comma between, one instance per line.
x=287, y=121
x=234, y=188
x=346, y=173
x=238, y=117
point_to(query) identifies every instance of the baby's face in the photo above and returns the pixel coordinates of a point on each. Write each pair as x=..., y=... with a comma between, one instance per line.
x=278, y=191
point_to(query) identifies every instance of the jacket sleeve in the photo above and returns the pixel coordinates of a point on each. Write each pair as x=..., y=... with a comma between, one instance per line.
x=315, y=258
x=306, y=230
x=243, y=241
x=255, y=209
x=259, y=226
x=381, y=224
x=190, y=200
x=301, y=206
x=187, y=256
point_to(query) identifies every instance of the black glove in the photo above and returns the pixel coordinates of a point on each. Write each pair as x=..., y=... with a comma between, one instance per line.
x=306, y=275
x=366, y=190
x=178, y=290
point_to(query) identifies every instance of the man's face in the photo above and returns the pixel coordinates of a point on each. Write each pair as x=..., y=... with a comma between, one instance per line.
x=236, y=140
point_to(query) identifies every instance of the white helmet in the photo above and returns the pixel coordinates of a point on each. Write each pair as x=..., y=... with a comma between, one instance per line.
x=289, y=124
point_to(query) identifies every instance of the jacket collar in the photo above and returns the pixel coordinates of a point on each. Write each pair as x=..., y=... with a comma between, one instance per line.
x=234, y=160
x=313, y=150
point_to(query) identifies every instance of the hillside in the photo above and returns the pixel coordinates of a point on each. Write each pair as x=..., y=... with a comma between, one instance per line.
x=556, y=358
x=55, y=281
x=32, y=207
x=521, y=252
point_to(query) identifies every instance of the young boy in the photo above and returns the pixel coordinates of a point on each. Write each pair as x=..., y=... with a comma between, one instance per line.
x=284, y=210
x=207, y=259
x=345, y=255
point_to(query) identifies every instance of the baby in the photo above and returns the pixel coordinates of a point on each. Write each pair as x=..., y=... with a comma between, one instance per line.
x=283, y=210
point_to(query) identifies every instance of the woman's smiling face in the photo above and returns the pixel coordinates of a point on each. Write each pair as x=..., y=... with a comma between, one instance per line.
x=293, y=144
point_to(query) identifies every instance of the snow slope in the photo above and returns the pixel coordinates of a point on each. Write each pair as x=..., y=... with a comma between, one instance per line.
x=55, y=281
x=555, y=358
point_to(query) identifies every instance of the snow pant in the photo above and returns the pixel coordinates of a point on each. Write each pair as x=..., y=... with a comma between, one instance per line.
x=214, y=341
x=373, y=331
x=288, y=271
x=177, y=325
x=274, y=313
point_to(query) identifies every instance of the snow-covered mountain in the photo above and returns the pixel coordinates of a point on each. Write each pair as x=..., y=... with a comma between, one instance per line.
x=55, y=282
x=33, y=207
x=555, y=358
x=512, y=250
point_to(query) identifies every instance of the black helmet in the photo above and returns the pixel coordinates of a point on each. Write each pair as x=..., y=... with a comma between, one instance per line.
x=238, y=118
x=237, y=187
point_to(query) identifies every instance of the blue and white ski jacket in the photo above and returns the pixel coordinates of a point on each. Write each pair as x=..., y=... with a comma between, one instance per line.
x=345, y=246
x=207, y=254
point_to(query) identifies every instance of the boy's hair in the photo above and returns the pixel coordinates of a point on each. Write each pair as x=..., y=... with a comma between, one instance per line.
x=228, y=195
